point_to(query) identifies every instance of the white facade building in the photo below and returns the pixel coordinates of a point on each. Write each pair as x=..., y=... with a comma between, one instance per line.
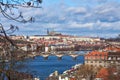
x=44, y=37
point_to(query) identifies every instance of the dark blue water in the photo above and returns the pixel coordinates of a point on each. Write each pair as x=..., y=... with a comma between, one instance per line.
x=39, y=67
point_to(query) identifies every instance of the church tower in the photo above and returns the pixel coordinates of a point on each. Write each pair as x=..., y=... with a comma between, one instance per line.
x=48, y=33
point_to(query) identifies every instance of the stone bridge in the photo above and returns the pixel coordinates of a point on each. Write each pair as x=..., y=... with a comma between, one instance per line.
x=60, y=54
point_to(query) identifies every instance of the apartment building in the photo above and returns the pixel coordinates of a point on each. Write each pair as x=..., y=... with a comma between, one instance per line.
x=102, y=58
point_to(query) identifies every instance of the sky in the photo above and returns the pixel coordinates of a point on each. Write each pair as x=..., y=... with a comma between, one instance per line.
x=95, y=18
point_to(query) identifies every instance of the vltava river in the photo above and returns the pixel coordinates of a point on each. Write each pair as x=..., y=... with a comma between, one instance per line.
x=39, y=67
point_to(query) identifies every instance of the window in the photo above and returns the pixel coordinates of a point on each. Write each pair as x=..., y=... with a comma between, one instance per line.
x=91, y=61
x=112, y=62
x=100, y=61
x=114, y=58
x=95, y=61
x=109, y=58
x=100, y=56
x=86, y=61
x=118, y=58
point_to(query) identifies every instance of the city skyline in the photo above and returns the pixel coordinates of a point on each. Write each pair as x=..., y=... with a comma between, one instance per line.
x=72, y=17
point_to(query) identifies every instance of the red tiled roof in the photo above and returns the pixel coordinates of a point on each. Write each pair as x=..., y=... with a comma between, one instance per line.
x=112, y=49
x=94, y=53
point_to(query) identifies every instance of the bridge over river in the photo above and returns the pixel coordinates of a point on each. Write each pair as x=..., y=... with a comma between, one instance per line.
x=59, y=54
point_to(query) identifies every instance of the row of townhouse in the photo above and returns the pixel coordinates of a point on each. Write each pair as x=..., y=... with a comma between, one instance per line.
x=57, y=42
x=27, y=46
x=104, y=57
x=63, y=42
x=97, y=58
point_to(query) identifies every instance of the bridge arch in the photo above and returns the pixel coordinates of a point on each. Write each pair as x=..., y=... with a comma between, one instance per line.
x=60, y=56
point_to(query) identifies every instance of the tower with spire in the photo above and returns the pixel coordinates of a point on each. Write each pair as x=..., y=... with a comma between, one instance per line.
x=48, y=32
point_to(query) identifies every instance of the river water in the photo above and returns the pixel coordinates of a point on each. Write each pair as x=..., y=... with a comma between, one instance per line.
x=39, y=67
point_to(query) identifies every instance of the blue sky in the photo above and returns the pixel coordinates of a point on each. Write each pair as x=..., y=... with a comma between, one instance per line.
x=72, y=17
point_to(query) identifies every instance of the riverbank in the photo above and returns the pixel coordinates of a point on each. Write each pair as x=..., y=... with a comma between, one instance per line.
x=66, y=75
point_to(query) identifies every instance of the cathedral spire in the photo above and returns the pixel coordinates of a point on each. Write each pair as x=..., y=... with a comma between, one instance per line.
x=47, y=31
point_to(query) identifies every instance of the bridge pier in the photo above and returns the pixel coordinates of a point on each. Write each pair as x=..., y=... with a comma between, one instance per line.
x=59, y=58
x=46, y=58
x=74, y=58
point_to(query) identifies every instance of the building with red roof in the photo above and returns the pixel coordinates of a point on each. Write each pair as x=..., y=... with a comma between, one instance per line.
x=102, y=58
x=96, y=58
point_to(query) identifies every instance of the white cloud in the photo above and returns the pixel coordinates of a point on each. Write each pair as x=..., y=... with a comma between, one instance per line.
x=77, y=10
x=108, y=25
x=80, y=25
x=105, y=16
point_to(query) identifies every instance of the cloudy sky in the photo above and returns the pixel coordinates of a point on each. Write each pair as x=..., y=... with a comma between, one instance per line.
x=72, y=17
